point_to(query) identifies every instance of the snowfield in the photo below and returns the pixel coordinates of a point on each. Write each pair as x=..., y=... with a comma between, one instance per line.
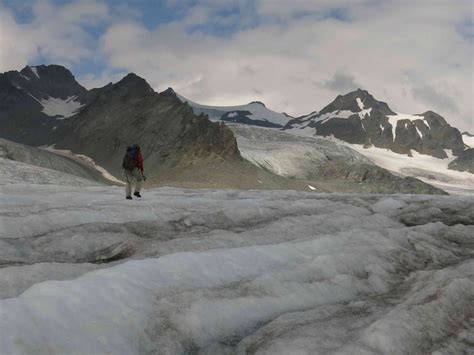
x=431, y=170
x=59, y=108
x=234, y=272
x=257, y=111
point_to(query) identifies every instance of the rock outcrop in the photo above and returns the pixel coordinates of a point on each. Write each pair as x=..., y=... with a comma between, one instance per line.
x=464, y=161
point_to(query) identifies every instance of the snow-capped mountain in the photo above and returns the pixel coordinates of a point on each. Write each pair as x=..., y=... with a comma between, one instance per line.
x=359, y=118
x=255, y=113
x=35, y=100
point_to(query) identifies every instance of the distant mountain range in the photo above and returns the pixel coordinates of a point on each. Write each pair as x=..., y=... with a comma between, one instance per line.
x=187, y=142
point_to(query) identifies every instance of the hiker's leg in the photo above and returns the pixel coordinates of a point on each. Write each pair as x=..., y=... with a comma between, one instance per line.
x=138, y=176
x=128, y=185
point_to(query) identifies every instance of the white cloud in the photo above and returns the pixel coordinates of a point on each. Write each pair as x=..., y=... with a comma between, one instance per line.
x=295, y=65
x=56, y=33
x=294, y=56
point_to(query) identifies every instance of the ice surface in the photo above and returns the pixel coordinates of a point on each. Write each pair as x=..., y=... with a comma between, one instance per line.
x=228, y=271
x=60, y=108
x=288, y=155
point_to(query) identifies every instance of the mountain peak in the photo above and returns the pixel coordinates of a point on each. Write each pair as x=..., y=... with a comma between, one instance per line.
x=257, y=102
x=356, y=101
x=44, y=81
x=131, y=77
x=169, y=92
x=37, y=71
x=135, y=81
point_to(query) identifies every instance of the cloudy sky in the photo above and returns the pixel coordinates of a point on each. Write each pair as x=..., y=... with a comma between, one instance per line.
x=294, y=55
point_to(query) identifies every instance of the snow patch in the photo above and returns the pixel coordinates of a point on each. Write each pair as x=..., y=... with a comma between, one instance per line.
x=427, y=168
x=365, y=112
x=419, y=132
x=449, y=153
x=393, y=120
x=59, y=108
x=339, y=114
x=35, y=71
x=233, y=114
x=468, y=140
x=257, y=111
x=360, y=103
x=311, y=187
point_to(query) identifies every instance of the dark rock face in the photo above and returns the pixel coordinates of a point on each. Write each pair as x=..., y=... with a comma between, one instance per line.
x=243, y=117
x=464, y=161
x=359, y=118
x=22, y=116
x=167, y=130
x=440, y=136
x=45, y=81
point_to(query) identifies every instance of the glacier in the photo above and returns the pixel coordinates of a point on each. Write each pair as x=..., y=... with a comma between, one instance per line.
x=233, y=272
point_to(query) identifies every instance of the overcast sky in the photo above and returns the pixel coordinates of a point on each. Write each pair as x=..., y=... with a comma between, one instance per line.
x=294, y=55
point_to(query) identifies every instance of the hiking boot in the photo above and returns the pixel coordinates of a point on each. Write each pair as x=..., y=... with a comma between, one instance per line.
x=129, y=197
x=136, y=193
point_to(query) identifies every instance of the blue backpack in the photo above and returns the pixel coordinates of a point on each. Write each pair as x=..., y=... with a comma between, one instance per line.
x=130, y=158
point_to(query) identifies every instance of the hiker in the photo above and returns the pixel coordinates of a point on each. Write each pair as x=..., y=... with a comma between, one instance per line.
x=133, y=165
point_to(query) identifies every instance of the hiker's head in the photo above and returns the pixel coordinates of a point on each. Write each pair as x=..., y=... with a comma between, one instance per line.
x=137, y=147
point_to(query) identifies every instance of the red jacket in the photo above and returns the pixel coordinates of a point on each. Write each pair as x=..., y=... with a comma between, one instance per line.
x=140, y=161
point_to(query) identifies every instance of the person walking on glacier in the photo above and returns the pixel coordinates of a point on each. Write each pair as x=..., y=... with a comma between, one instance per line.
x=133, y=166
